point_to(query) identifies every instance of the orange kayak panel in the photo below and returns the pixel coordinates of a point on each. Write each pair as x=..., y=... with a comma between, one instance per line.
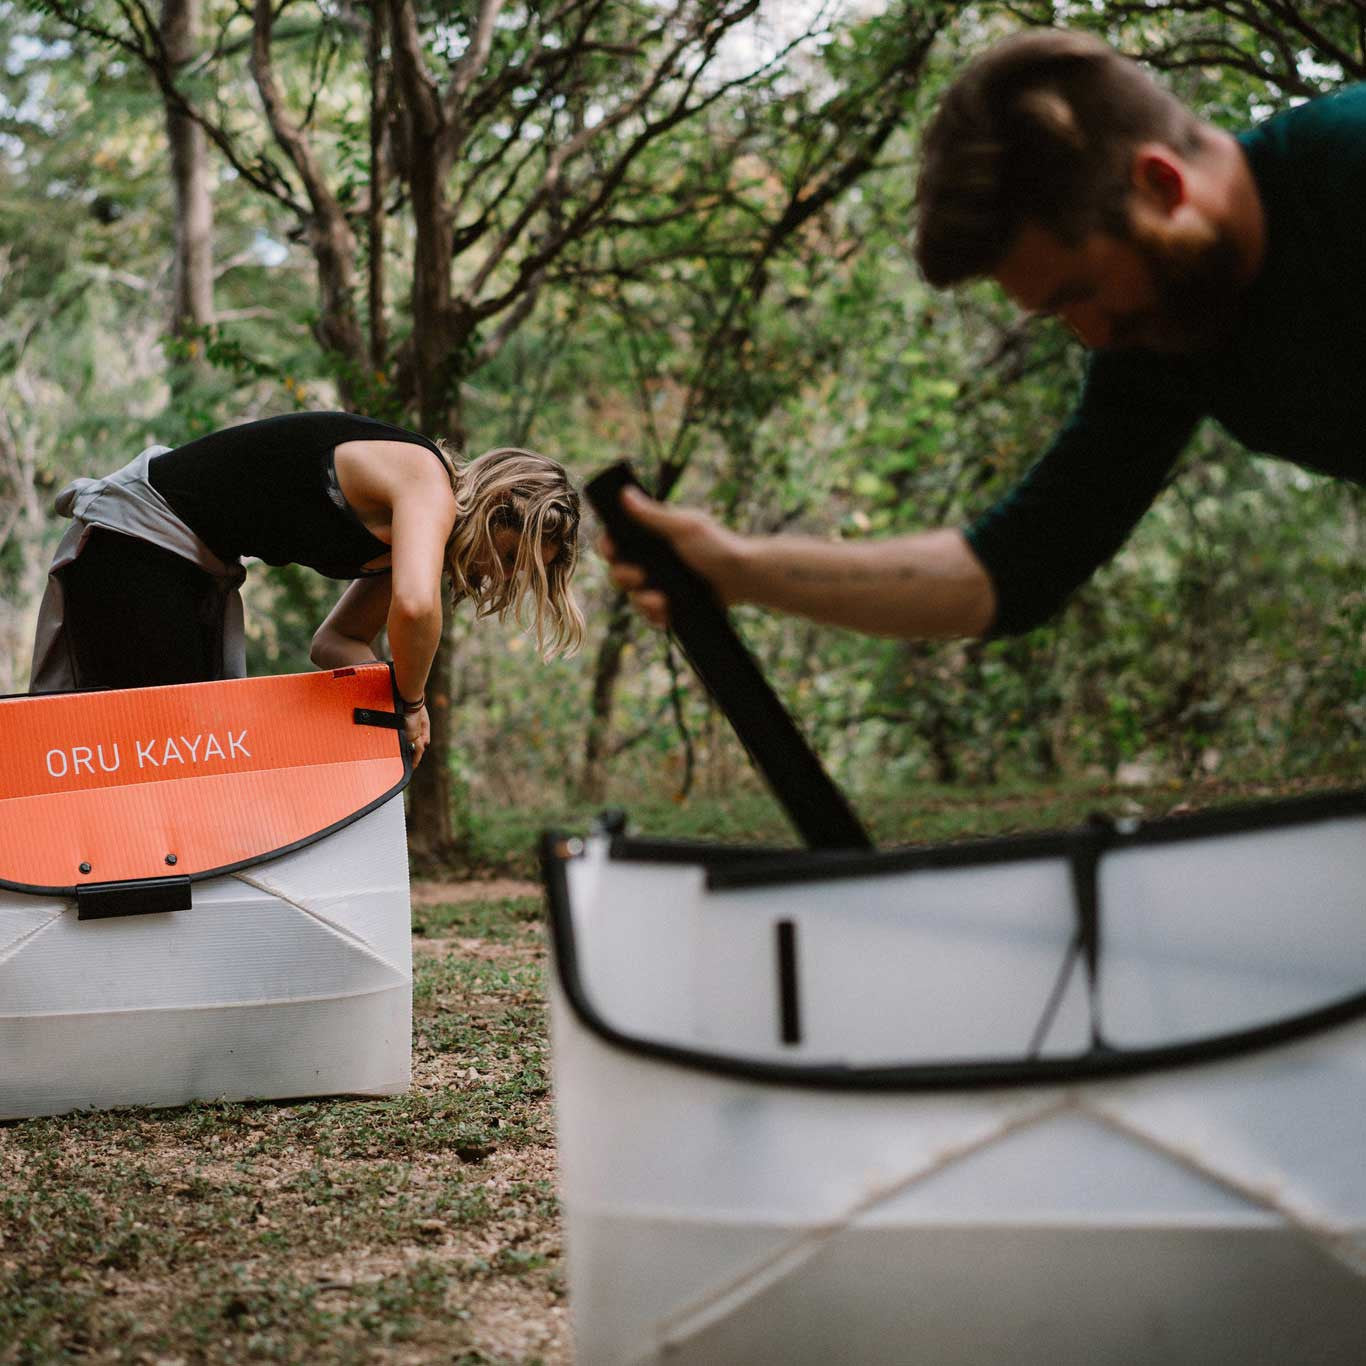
x=190, y=779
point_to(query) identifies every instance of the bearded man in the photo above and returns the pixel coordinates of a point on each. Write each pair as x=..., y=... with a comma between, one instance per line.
x=1209, y=275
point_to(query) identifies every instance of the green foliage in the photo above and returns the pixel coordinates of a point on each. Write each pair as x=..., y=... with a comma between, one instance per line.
x=284, y=605
x=817, y=386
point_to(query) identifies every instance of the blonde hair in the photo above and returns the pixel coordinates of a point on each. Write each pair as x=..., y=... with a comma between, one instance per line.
x=512, y=489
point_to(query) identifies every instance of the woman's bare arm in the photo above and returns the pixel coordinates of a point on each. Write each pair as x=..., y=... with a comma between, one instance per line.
x=421, y=528
x=404, y=495
x=402, y=491
x=349, y=631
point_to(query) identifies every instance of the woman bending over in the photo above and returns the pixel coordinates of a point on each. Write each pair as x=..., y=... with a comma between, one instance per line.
x=144, y=586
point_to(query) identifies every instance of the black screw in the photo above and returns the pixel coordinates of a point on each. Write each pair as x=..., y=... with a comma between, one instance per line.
x=85, y=867
x=170, y=858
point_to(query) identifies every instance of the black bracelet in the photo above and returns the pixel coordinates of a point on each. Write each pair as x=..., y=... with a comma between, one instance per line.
x=409, y=708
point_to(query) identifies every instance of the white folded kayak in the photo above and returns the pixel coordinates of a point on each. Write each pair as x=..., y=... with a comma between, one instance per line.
x=203, y=894
x=1090, y=1097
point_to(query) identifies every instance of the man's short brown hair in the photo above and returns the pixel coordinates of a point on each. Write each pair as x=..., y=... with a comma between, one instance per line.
x=1040, y=127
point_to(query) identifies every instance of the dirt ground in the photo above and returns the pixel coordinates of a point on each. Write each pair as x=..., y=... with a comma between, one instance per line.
x=515, y=1319
x=415, y=1229
x=431, y=893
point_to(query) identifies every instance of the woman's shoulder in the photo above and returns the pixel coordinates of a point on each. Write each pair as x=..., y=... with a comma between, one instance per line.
x=378, y=466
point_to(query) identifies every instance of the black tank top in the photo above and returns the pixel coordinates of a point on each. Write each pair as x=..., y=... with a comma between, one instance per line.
x=269, y=489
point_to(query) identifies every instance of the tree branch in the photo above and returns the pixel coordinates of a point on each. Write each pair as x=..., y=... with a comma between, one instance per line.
x=147, y=49
x=330, y=236
x=474, y=59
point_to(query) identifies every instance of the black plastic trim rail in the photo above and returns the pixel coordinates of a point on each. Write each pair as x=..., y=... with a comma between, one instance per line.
x=1100, y=1062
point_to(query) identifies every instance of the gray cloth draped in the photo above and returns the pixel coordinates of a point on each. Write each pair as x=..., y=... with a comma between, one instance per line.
x=126, y=502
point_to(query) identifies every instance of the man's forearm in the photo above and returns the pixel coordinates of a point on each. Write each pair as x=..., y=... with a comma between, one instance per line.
x=925, y=585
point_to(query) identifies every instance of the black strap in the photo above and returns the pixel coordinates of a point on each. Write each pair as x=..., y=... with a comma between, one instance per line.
x=144, y=896
x=813, y=803
x=789, y=1002
x=1090, y=842
x=367, y=716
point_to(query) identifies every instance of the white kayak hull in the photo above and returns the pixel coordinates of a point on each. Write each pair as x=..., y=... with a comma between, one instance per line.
x=293, y=978
x=886, y=1133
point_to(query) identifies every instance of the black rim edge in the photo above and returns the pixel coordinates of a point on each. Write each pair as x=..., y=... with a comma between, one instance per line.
x=767, y=868
x=990, y=1074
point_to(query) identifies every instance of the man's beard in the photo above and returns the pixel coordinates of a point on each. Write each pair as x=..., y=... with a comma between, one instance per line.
x=1199, y=286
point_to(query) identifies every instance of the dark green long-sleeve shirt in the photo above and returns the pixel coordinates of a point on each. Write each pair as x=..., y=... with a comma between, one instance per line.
x=1291, y=382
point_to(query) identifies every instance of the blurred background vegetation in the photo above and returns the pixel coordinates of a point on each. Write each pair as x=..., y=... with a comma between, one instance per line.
x=677, y=232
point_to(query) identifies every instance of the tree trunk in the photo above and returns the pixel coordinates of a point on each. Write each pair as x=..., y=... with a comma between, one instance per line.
x=606, y=672
x=379, y=76
x=21, y=536
x=329, y=235
x=440, y=340
x=192, y=305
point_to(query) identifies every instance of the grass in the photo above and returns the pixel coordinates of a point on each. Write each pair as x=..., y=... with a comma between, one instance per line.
x=500, y=920
x=504, y=839
x=419, y=1228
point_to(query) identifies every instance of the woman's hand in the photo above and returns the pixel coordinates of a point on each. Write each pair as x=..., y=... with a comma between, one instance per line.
x=417, y=726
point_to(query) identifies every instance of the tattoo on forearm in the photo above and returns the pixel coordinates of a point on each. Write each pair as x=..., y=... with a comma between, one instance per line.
x=859, y=574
